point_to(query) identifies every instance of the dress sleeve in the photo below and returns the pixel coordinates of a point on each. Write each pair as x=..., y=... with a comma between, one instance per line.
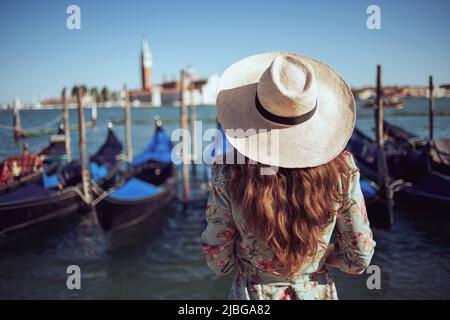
x=355, y=245
x=219, y=236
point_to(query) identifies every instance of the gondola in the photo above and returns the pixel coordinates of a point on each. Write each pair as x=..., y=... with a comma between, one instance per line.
x=59, y=194
x=379, y=201
x=47, y=159
x=145, y=189
x=436, y=151
x=424, y=168
x=414, y=181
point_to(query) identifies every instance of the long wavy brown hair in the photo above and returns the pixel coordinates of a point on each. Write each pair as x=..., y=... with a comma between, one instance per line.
x=289, y=210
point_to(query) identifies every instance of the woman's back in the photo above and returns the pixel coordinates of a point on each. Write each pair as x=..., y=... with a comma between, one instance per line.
x=238, y=239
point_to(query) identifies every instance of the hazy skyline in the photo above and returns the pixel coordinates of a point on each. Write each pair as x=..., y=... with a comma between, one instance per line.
x=39, y=55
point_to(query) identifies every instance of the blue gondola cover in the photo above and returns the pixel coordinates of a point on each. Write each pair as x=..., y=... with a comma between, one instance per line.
x=159, y=148
x=135, y=189
x=97, y=172
x=50, y=181
x=368, y=190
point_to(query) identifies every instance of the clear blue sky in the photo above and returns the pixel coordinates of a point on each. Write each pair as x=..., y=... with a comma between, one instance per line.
x=39, y=55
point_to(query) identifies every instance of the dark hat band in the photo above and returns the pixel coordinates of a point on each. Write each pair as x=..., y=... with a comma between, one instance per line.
x=283, y=120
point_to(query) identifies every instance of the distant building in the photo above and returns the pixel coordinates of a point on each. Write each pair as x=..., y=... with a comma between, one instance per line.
x=143, y=95
x=443, y=90
x=416, y=91
x=391, y=91
x=209, y=90
x=146, y=66
x=405, y=91
x=170, y=93
x=364, y=93
x=156, y=96
x=56, y=101
x=87, y=100
x=204, y=91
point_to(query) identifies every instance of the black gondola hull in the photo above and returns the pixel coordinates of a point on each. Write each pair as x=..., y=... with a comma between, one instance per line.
x=416, y=189
x=413, y=199
x=114, y=214
x=436, y=151
x=30, y=203
x=21, y=214
x=380, y=213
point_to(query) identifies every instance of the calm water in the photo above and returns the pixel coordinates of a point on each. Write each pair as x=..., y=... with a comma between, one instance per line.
x=414, y=256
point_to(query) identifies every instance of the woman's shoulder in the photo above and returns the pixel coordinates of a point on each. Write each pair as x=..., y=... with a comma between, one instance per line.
x=350, y=160
x=219, y=176
x=219, y=166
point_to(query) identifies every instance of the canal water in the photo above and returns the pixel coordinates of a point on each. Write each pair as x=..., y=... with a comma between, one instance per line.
x=414, y=256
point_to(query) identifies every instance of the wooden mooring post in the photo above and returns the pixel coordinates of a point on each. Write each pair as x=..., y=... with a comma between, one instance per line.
x=66, y=126
x=16, y=123
x=431, y=107
x=185, y=144
x=94, y=110
x=382, y=168
x=192, y=123
x=85, y=176
x=128, y=125
x=379, y=111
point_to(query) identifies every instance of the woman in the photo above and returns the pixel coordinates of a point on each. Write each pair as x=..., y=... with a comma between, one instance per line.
x=272, y=215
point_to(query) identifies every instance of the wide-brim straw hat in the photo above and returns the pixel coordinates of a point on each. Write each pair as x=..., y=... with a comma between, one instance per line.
x=285, y=109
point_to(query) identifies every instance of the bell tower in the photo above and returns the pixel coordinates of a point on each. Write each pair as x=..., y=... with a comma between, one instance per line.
x=146, y=66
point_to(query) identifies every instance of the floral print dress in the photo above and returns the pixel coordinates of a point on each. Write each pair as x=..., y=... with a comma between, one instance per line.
x=229, y=245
